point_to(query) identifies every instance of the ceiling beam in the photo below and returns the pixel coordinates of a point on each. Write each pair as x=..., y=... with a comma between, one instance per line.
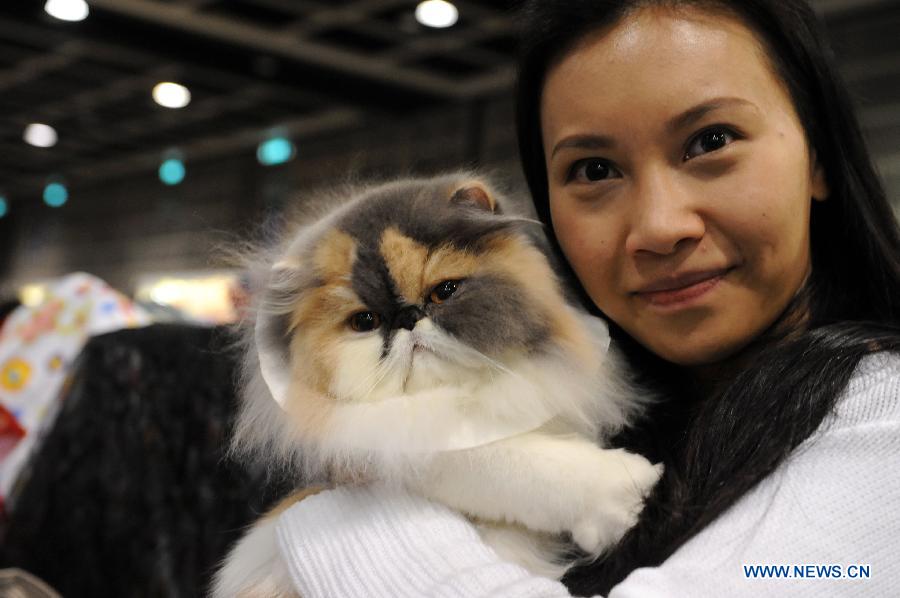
x=44, y=64
x=287, y=45
x=203, y=149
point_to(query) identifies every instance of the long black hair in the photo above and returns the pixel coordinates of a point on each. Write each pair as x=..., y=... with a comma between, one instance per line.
x=719, y=447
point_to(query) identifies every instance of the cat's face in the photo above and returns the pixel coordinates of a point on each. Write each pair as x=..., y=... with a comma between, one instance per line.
x=412, y=285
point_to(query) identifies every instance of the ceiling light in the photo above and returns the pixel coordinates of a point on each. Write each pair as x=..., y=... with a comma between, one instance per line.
x=171, y=171
x=276, y=150
x=55, y=195
x=40, y=135
x=436, y=13
x=67, y=10
x=171, y=95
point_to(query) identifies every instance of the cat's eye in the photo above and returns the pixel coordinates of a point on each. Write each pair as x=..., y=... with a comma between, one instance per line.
x=710, y=140
x=442, y=292
x=365, y=321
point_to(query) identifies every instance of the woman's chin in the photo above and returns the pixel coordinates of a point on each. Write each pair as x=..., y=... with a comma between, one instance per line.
x=698, y=353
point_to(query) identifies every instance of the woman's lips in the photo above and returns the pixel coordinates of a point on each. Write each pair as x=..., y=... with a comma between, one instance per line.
x=684, y=295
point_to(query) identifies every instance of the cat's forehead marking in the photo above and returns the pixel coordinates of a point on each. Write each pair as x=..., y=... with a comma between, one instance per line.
x=449, y=262
x=334, y=255
x=415, y=268
x=405, y=260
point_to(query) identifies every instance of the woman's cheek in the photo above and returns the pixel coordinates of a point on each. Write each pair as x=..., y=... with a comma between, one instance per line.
x=577, y=236
x=591, y=252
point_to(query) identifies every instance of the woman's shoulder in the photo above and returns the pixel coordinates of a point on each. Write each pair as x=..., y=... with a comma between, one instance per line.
x=873, y=392
x=831, y=502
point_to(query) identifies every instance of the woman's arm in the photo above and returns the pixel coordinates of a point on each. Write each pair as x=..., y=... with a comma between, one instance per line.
x=373, y=542
x=834, y=503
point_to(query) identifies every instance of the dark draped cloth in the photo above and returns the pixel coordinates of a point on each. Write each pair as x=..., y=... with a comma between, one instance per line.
x=131, y=494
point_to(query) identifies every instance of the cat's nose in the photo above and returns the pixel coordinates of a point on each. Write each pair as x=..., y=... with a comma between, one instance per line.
x=408, y=316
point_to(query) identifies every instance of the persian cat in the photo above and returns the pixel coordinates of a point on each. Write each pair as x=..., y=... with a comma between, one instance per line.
x=416, y=334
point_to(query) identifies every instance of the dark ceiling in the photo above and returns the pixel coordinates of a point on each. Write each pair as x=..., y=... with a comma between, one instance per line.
x=306, y=66
x=309, y=67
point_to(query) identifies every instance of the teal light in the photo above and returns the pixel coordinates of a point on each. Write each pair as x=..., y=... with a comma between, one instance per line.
x=4, y=207
x=55, y=195
x=171, y=171
x=276, y=150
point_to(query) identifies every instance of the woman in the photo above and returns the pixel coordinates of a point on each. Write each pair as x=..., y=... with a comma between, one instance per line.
x=703, y=175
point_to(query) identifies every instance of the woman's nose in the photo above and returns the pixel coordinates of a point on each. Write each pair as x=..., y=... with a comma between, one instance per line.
x=664, y=214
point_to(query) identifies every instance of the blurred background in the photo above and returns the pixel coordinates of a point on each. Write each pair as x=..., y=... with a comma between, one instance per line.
x=136, y=136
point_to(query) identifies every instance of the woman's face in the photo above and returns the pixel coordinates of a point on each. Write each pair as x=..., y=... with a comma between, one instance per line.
x=680, y=181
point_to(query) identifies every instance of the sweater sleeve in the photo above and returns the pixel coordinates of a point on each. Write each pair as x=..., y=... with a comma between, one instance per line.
x=377, y=542
x=825, y=523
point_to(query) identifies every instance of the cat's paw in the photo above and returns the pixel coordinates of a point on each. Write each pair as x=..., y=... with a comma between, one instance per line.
x=617, y=500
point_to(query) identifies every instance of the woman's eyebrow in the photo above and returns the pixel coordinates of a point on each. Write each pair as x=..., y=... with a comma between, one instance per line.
x=584, y=142
x=692, y=115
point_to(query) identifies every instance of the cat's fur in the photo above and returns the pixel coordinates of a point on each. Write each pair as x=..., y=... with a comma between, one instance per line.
x=493, y=400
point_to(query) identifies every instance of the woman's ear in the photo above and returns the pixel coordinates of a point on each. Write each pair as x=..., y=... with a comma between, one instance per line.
x=819, y=184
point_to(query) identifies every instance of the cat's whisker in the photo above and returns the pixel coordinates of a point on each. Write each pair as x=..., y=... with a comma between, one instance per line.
x=525, y=219
x=469, y=355
x=383, y=370
x=366, y=385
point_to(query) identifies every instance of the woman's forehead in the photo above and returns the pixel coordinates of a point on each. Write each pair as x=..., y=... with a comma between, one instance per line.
x=659, y=63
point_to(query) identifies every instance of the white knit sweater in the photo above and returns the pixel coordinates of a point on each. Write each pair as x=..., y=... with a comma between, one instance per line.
x=834, y=502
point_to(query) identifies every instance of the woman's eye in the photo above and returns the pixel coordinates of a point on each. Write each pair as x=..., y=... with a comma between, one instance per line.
x=709, y=140
x=590, y=170
x=442, y=292
x=365, y=321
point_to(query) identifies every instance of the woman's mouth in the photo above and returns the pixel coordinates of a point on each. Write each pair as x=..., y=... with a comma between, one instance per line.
x=677, y=294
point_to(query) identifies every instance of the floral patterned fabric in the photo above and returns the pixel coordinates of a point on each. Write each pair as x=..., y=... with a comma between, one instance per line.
x=37, y=347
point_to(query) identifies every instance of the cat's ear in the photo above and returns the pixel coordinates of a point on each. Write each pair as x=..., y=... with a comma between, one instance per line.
x=272, y=326
x=475, y=194
x=272, y=353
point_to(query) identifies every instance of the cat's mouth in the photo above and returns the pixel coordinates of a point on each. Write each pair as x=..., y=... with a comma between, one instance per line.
x=420, y=344
x=418, y=348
